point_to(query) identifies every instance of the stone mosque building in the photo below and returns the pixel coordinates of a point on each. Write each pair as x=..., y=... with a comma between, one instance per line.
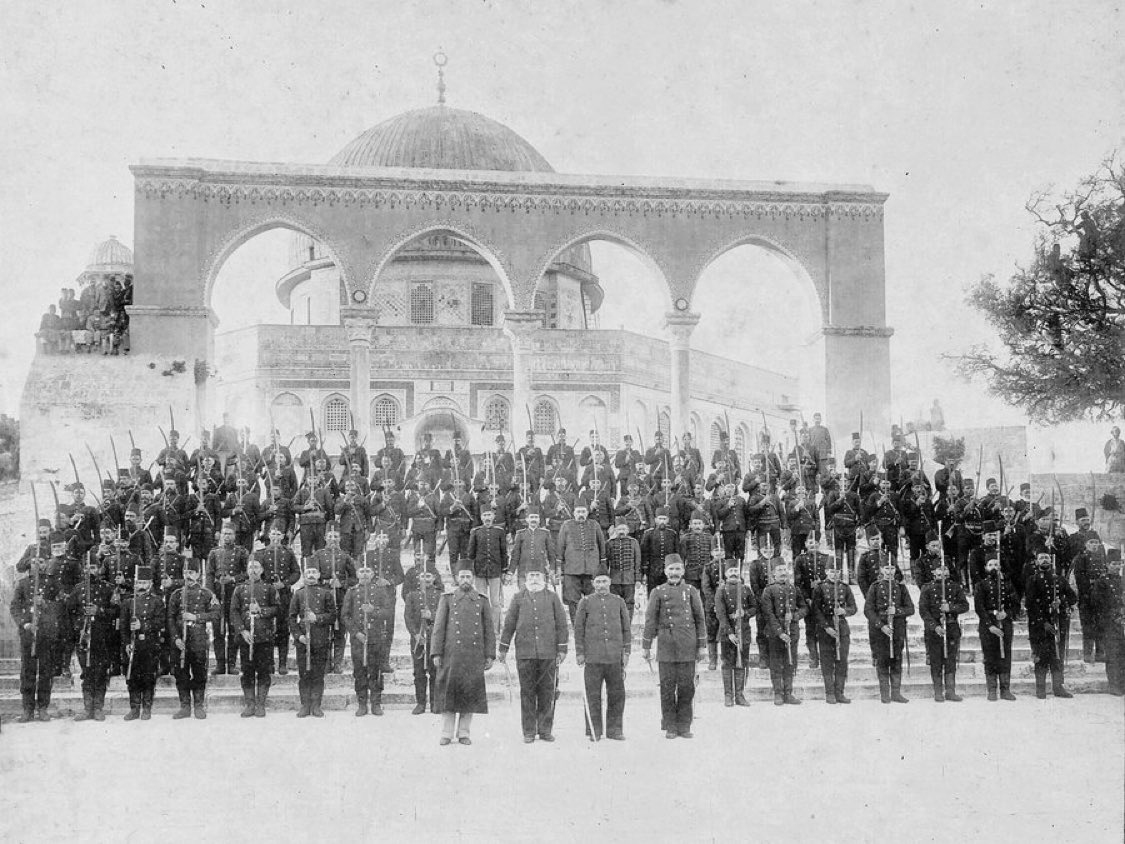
x=439, y=356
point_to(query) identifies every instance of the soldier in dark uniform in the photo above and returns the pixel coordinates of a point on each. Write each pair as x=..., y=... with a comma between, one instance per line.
x=421, y=608
x=887, y=606
x=602, y=642
x=532, y=549
x=39, y=616
x=809, y=569
x=531, y=457
x=712, y=579
x=996, y=602
x=989, y=548
x=81, y=519
x=66, y=569
x=94, y=613
x=368, y=612
x=783, y=606
x=841, y=512
x=560, y=460
x=354, y=454
x=758, y=577
x=918, y=520
x=657, y=544
x=735, y=604
x=870, y=565
x=253, y=612
x=384, y=559
x=190, y=608
x=457, y=511
x=625, y=462
x=695, y=551
x=968, y=521
x=674, y=617
x=337, y=573
x=312, y=614
x=1013, y=548
x=1089, y=565
x=623, y=560
x=422, y=512
x=168, y=569
x=281, y=570
x=353, y=518
x=412, y=577
x=143, y=623
x=488, y=555
x=536, y=621
x=856, y=457
x=922, y=569
x=832, y=603
x=243, y=508
x=390, y=451
x=1109, y=614
x=882, y=510
x=939, y=604
x=1049, y=599
x=1084, y=533
x=311, y=456
x=463, y=647
x=226, y=567
x=765, y=511
x=203, y=518
x=314, y=504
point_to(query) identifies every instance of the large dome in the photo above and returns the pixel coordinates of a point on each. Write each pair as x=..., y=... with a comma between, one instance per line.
x=442, y=138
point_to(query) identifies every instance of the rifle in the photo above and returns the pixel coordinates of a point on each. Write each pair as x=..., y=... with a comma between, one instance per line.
x=1064, y=637
x=999, y=603
x=132, y=632
x=84, y=637
x=944, y=626
x=35, y=588
x=366, y=625
x=308, y=632
x=250, y=591
x=183, y=613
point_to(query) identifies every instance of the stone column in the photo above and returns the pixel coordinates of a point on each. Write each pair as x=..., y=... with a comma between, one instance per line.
x=521, y=328
x=857, y=377
x=680, y=325
x=359, y=348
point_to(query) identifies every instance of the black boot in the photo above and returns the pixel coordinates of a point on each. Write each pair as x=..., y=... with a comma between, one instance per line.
x=146, y=704
x=990, y=681
x=1041, y=683
x=283, y=659
x=884, y=684
x=829, y=691
x=260, y=701
x=87, y=707
x=377, y=704
x=790, y=698
x=728, y=687
x=185, y=706
x=939, y=689
x=317, y=695
x=28, y=713
x=1057, y=687
x=712, y=656
x=99, y=704
x=361, y=705
x=951, y=687
x=740, y=687
x=814, y=656
x=896, y=686
x=840, y=697
x=134, y=706
x=1006, y=686
x=197, y=701
x=247, y=704
x=306, y=702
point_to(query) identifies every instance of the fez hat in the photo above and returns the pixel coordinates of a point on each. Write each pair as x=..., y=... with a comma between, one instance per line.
x=107, y=524
x=136, y=452
x=277, y=524
x=311, y=435
x=193, y=564
x=1025, y=487
x=1113, y=555
x=144, y=572
x=931, y=536
x=662, y=511
x=989, y=527
x=57, y=537
x=621, y=521
x=990, y=482
x=872, y=532
x=855, y=435
x=168, y=531
x=44, y=523
x=673, y=560
x=1080, y=513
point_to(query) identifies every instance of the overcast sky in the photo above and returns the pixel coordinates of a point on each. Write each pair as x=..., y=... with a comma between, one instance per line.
x=958, y=111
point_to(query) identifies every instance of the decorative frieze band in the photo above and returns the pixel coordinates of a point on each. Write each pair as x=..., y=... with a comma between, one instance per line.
x=773, y=207
x=858, y=330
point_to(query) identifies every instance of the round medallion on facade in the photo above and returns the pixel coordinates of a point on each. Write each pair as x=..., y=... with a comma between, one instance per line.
x=359, y=296
x=681, y=304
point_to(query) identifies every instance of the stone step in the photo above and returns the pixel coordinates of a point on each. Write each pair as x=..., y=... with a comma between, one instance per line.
x=400, y=698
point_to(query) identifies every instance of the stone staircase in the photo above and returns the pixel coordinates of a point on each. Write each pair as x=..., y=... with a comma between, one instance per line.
x=224, y=694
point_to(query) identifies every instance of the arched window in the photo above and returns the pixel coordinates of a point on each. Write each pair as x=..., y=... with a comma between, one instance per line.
x=664, y=422
x=336, y=416
x=422, y=303
x=545, y=418
x=384, y=411
x=481, y=311
x=740, y=444
x=496, y=414
x=592, y=414
x=716, y=429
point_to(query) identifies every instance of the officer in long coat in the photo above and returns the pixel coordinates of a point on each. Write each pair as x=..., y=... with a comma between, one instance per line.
x=463, y=645
x=674, y=617
x=536, y=622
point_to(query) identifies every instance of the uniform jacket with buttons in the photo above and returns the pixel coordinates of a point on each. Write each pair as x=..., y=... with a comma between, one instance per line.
x=623, y=559
x=581, y=547
x=930, y=600
x=332, y=562
x=378, y=623
x=674, y=618
x=265, y=594
x=826, y=598
x=989, y=597
x=778, y=600
x=1042, y=588
x=533, y=550
x=602, y=629
x=877, y=607
x=656, y=544
x=695, y=548
x=463, y=628
x=279, y=566
x=417, y=602
x=149, y=608
x=230, y=561
x=488, y=549
x=727, y=599
x=194, y=599
x=321, y=601
x=537, y=621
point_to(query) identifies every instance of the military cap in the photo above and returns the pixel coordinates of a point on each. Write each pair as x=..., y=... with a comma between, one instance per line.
x=278, y=525
x=134, y=452
x=44, y=523
x=170, y=532
x=1025, y=487
x=673, y=560
x=353, y=433
x=193, y=564
x=662, y=511
x=311, y=435
x=57, y=537
x=1113, y=555
x=144, y=572
x=990, y=527
x=621, y=521
x=931, y=536
x=872, y=532
x=990, y=481
x=1081, y=513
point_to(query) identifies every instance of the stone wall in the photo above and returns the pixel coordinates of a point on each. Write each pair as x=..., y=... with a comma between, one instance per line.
x=1085, y=491
x=73, y=401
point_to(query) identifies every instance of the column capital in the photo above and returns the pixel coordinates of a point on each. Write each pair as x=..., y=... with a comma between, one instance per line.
x=680, y=325
x=359, y=330
x=519, y=325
